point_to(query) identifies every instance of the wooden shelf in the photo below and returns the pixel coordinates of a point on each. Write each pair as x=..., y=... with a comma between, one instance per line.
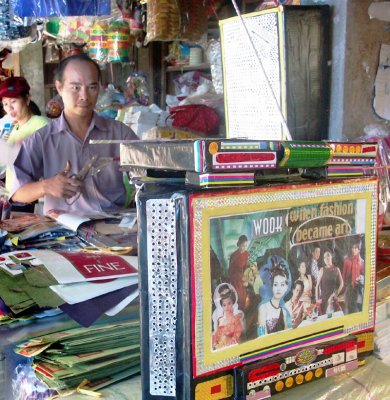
x=188, y=67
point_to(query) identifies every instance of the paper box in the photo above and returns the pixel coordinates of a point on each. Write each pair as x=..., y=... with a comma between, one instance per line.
x=231, y=277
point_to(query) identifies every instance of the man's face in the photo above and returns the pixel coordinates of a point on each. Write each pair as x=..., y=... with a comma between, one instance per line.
x=355, y=250
x=79, y=89
x=316, y=253
x=243, y=246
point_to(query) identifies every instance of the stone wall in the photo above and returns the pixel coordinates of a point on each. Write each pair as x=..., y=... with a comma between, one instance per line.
x=31, y=67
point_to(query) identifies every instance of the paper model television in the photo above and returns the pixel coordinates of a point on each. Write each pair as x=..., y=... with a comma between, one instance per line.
x=232, y=277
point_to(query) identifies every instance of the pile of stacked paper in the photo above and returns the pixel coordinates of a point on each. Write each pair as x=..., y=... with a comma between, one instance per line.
x=60, y=230
x=92, y=358
x=35, y=231
x=142, y=118
x=83, y=285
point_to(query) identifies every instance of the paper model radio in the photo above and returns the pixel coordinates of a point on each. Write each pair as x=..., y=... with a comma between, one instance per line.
x=217, y=162
x=230, y=278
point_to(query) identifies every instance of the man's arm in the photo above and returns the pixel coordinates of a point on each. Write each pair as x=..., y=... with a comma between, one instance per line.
x=28, y=192
x=60, y=186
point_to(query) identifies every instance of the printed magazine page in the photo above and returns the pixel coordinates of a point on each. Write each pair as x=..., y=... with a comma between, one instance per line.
x=282, y=265
x=74, y=219
x=286, y=268
x=64, y=267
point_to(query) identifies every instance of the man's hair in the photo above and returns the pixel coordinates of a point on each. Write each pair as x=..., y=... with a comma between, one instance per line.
x=313, y=249
x=300, y=283
x=59, y=73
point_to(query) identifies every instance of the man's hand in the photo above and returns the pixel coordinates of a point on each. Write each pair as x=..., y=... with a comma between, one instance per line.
x=62, y=185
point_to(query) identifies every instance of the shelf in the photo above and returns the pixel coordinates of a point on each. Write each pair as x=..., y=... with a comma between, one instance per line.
x=188, y=67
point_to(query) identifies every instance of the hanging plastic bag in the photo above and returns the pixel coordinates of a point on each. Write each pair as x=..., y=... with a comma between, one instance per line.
x=193, y=20
x=169, y=20
x=98, y=42
x=188, y=83
x=136, y=20
x=136, y=89
x=214, y=56
x=119, y=41
x=15, y=32
x=163, y=20
x=75, y=29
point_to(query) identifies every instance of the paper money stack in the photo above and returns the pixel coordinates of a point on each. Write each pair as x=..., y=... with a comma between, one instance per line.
x=89, y=358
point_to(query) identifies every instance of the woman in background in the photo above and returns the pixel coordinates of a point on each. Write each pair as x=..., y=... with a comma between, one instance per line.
x=15, y=97
x=307, y=281
x=237, y=264
x=229, y=325
x=329, y=285
x=273, y=316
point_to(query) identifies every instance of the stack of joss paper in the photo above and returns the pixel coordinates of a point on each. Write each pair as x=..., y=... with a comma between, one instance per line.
x=89, y=358
x=83, y=285
x=35, y=231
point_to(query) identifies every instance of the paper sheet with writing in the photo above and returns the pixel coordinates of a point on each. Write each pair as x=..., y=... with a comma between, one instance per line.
x=73, y=220
x=76, y=292
x=64, y=267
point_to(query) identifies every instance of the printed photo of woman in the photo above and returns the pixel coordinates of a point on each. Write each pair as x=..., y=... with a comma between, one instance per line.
x=237, y=264
x=273, y=316
x=329, y=285
x=307, y=281
x=227, y=318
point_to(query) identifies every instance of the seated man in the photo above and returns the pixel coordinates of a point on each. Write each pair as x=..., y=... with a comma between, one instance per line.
x=49, y=159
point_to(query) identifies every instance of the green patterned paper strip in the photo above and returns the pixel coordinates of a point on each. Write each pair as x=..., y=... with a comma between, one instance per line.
x=305, y=154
